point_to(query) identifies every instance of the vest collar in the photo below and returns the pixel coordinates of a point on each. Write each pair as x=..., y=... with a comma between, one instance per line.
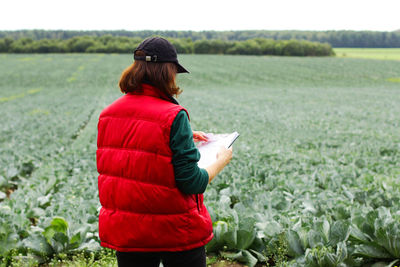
x=149, y=90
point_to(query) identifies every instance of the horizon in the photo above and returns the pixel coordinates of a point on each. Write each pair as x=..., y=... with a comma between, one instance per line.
x=268, y=30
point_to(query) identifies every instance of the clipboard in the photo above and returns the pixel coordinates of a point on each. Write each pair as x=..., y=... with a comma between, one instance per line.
x=208, y=150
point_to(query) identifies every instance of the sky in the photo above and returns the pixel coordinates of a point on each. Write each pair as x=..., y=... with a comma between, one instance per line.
x=201, y=15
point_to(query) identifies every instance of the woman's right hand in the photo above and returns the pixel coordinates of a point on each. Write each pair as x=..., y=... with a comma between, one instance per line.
x=225, y=155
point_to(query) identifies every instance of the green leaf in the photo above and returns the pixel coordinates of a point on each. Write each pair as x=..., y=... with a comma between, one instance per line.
x=303, y=235
x=380, y=264
x=260, y=257
x=220, y=228
x=44, y=200
x=308, y=205
x=61, y=238
x=38, y=212
x=372, y=251
x=241, y=256
x=357, y=235
x=339, y=232
x=325, y=229
x=8, y=239
x=258, y=244
x=310, y=259
x=315, y=238
x=247, y=223
x=231, y=255
x=389, y=238
x=92, y=245
x=92, y=219
x=329, y=260
x=294, y=244
x=75, y=241
x=341, y=252
x=369, y=222
x=245, y=239
x=230, y=238
x=82, y=233
x=38, y=244
x=59, y=242
x=249, y=259
x=393, y=262
x=270, y=228
x=48, y=233
x=59, y=225
x=3, y=180
x=12, y=172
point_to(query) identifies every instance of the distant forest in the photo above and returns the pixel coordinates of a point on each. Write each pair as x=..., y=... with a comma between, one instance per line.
x=122, y=44
x=366, y=39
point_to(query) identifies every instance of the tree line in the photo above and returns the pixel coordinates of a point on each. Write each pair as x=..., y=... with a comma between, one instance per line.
x=121, y=44
x=335, y=38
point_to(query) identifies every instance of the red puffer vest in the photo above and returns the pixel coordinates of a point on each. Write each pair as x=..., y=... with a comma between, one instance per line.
x=142, y=209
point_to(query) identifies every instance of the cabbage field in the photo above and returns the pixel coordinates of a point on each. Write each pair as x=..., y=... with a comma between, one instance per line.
x=315, y=178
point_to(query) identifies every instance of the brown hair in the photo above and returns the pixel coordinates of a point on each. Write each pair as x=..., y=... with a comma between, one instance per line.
x=159, y=74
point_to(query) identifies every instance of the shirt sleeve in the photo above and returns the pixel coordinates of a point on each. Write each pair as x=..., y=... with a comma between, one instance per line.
x=189, y=178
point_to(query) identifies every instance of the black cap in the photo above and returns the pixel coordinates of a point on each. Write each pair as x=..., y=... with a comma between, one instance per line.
x=158, y=49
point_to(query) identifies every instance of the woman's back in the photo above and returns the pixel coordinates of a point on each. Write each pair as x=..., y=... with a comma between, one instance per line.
x=142, y=208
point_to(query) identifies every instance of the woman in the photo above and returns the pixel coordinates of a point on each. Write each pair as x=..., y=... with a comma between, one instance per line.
x=150, y=186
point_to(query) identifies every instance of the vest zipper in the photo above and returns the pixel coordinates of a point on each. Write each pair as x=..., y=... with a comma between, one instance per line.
x=197, y=202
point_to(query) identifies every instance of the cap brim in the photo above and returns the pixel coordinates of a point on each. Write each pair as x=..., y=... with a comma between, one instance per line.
x=181, y=69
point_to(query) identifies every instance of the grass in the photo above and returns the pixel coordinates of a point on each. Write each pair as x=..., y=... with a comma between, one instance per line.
x=369, y=53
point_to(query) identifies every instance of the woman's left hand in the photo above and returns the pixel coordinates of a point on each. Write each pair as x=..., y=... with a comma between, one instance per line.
x=199, y=136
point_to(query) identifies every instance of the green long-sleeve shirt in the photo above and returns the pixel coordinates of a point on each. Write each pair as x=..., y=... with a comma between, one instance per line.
x=189, y=178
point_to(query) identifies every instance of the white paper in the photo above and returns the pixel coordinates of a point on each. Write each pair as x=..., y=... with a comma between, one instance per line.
x=208, y=150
